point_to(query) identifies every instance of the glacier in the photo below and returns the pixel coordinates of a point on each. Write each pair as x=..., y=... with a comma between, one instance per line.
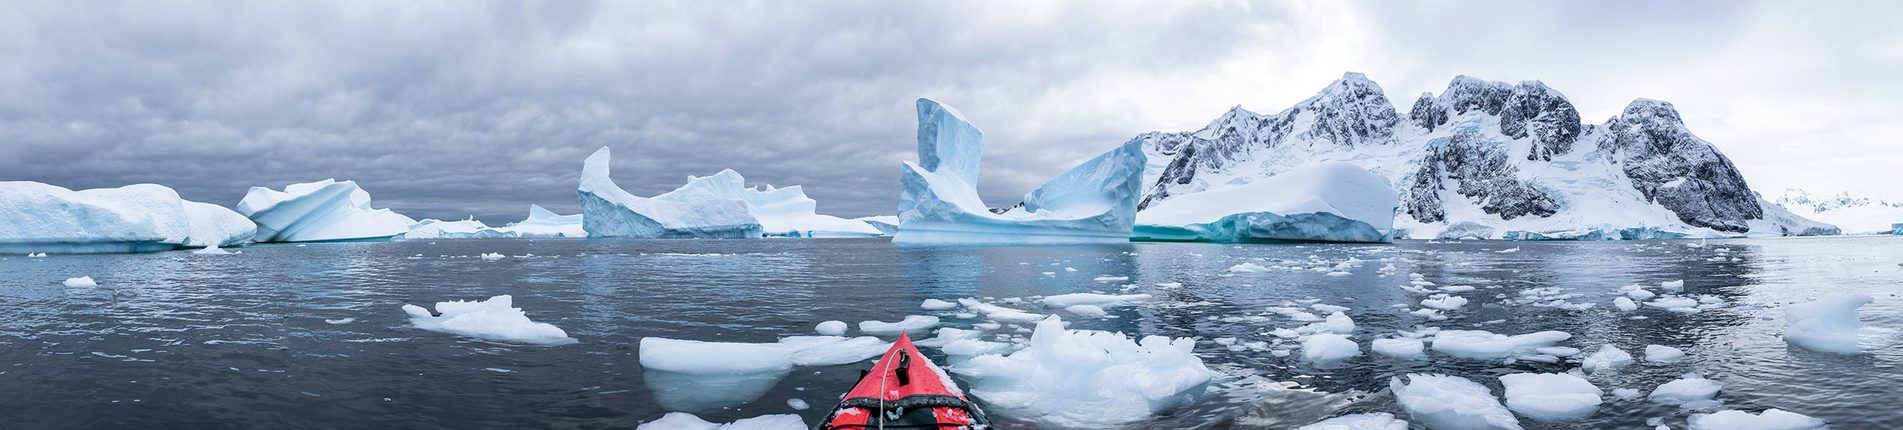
x=1094, y=202
x=37, y=217
x=1485, y=158
x=1323, y=202
x=543, y=223
x=716, y=206
x=326, y=210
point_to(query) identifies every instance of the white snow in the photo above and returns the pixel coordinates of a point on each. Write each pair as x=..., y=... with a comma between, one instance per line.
x=1688, y=389
x=319, y=211
x=83, y=281
x=1368, y=421
x=1400, y=348
x=1828, y=324
x=1329, y=202
x=1328, y=347
x=494, y=319
x=830, y=328
x=44, y=218
x=1085, y=378
x=1551, y=397
x=1480, y=344
x=913, y=323
x=1770, y=419
x=687, y=421
x=699, y=209
x=1092, y=203
x=1663, y=354
x=1445, y=402
x=1607, y=358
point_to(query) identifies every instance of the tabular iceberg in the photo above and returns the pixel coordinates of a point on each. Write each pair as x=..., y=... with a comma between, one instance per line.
x=36, y=217
x=543, y=223
x=718, y=206
x=325, y=210
x=1092, y=203
x=1323, y=202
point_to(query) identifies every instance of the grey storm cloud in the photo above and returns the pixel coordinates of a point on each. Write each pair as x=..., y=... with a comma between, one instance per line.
x=446, y=109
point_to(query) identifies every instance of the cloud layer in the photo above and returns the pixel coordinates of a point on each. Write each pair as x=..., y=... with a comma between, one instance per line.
x=453, y=108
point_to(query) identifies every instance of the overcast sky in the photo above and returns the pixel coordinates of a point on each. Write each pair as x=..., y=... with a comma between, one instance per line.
x=457, y=108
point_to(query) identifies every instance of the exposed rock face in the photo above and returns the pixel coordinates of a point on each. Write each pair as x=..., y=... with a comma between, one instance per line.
x=1514, y=154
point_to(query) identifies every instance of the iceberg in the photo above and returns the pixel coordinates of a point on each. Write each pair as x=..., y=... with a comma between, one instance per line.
x=789, y=212
x=888, y=225
x=465, y=229
x=938, y=204
x=325, y=210
x=1829, y=324
x=135, y=218
x=494, y=319
x=717, y=206
x=1323, y=202
x=543, y=223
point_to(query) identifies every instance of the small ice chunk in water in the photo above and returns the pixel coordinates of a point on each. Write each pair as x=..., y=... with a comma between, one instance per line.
x=1451, y=402
x=486, y=255
x=1625, y=304
x=1111, y=278
x=83, y=281
x=797, y=404
x=494, y=319
x=1608, y=357
x=1087, y=311
x=1400, y=348
x=1691, y=388
x=1627, y=393
x=1481, y=344
x=1828, y=324
x=1068, y=300
x=1371, y=421
x=1247, y=267
x=1678, y=285
x=914, y=323
x=1551, y=397
x=1663, y=354
x=936, y=305
x=1339, y=323
x=687, y=421
x=1770, y=419
x=1446, y=304
x=340, y=321
x=1086, y=378
x=999, y=313
x=831, y=328
x=1328, y=347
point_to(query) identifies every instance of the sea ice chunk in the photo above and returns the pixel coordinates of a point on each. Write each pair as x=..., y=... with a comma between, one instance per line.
x=1608, y=357
x=1480, y=344
x=690, y=211
x=936, y=305
x=83, y=281
x=1443, y=402
x=914, y=323
x=1828, y=324
x=1688, y=389
x=544, y=223
x=1400, y=348
x=1770, y=419
x=1068, y=300
x=1086, y=378
x=1551, y=397
x=1323, y=202
x=465, y=229
x=999, y=313
x=1092, y=203
x=687, y=421
x=494, y=319
x=1368, y=421
x=830, y=328
x=319, y=211
x=1663, y=354
x=1328, y=347
x=696, y=375
x=1625, y=304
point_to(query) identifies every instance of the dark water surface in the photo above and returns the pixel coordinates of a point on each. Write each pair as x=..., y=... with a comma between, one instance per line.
x=177, y=340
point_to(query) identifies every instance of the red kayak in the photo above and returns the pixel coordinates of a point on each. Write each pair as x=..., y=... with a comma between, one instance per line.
x=904, y=390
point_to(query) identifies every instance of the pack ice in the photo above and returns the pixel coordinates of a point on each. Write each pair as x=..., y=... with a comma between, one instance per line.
x=1092, y=203
x=1323, y=202
x=320, y=211
x=1086, y=378
x=717, y=206
x=36, y=217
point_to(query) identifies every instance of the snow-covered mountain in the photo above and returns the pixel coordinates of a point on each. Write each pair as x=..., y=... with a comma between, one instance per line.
x=1855, y=213
x=1513, y=157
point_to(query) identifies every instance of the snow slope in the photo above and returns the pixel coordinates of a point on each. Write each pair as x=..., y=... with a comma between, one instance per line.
x=1328, y=201
x=319, y=211
x=1092, y=203
x=36, y=217
x=1485, y=155
x=1856, y=214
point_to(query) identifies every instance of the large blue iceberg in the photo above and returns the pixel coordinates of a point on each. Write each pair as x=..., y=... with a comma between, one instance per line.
x=717, y=206
x=1092, y=203
x=1324, y=202
x=326, y=210
x=36, y=217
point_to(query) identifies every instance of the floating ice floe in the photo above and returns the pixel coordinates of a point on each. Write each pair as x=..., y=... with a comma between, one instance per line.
x=1092, y=203
x=1480, y=344
x=1400, y=348
x=494, y=319
x=1450, y=402
x=544, y=223
x=913, y=323
x=830, y=328
x=999, y=313
x=1068, y=300
x=692, y=211
x=1368, y=421
x=1625, y=304
x=1447, y=303
x=687, y=421
x=1247, y=268
x=1770, y=419
x=1829, y=324
x=697, y=375
x=492, y=256
x=1663, y=354
x=1689, y=390
x=1328, y=348
x=325, y=210
x=936, y=305
x=83, y=281
x=1607, y=358
x=1086, y=378
x=1322, y=202
x=1551, y=397
x=134, y=218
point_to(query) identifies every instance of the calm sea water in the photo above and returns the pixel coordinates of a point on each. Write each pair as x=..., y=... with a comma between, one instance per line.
x=176, y=340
